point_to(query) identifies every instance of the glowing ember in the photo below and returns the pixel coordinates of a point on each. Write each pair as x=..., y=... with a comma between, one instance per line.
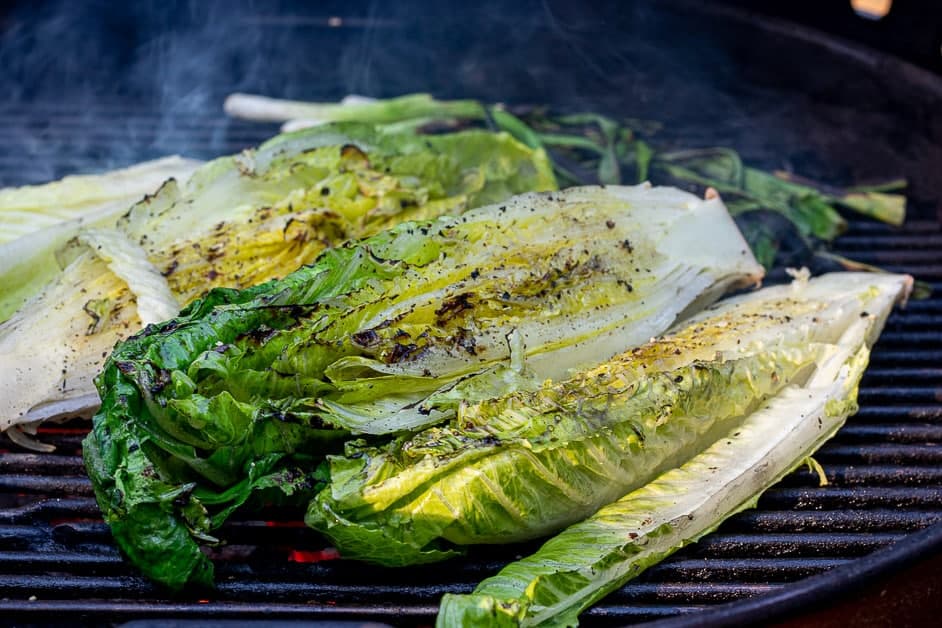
x=306, y=556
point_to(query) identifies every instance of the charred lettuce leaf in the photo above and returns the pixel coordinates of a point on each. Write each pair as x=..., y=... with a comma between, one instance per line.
x=386, y=335
x=236, y=222
x=831, y=321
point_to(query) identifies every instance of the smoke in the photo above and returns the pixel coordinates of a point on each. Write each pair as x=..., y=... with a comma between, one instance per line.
x=95, y=85
x=98, y=84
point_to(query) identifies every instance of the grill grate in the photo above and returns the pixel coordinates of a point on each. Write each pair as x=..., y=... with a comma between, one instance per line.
x=884, y=468
x=717, y=73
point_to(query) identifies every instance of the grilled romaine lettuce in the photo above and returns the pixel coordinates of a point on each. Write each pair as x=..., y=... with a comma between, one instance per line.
x=830, y=322
x=36, y=220
x=31, y=208
x=389, y=334
x=239, y=221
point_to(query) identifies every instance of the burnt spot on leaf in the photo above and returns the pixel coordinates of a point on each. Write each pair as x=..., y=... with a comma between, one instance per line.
x=169, y=327
x=465, y=339
x=215, y=251
x=365, y=338
x=171, y=267
x=125, y=366
x=260, y=334
x=160, y=381
x=352, y=153
x=454, y=306
x=402, y=352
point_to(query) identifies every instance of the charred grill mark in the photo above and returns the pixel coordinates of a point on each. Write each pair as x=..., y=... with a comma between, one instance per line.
x=161, y=379
x=126, y=367
x=286, y=318
x=353, y=153
x=286, y=417
x=381, y=260
x=403, y=352
x=366, y=338
x=465, y=339
x=169, y=327
x=171, y=267
x=297, y=231
x=216, y=251
x=454, y=306
x=298, y=310
x=263, y=213
x=389, y=322
x=259, y=335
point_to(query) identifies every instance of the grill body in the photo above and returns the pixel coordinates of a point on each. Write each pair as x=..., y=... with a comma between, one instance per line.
x=847, y=115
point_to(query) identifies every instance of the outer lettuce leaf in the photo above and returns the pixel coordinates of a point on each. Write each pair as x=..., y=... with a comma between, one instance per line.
x=35, y=221
x=151, y=293
x=431, y=309
x=426, y=311
x=34, y=207
x=596, y=556
x=529, y=463
x=240, y=221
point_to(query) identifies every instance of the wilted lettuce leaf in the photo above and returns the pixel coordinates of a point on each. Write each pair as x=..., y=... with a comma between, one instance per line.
x=242, y=220
x=595, y=556
x=388, y=334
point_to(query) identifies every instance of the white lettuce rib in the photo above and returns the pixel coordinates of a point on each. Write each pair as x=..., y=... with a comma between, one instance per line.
x=127, y=260
x=685, y=253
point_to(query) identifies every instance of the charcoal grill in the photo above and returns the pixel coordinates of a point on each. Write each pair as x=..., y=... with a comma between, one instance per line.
x=785, y=95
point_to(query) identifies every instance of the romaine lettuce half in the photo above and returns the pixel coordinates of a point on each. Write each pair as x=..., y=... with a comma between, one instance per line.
x=37, y=220
x=31, y=208
x=833, y=319
x=389, y=334
x=238, y=221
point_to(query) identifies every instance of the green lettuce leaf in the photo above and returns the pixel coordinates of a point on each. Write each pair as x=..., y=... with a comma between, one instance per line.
x=596, y=556
x=239, y=221
x=413, y=322
x=526, y=464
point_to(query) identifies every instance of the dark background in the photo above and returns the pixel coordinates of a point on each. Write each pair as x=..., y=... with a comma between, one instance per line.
x=99, y=84
x=164, y=51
